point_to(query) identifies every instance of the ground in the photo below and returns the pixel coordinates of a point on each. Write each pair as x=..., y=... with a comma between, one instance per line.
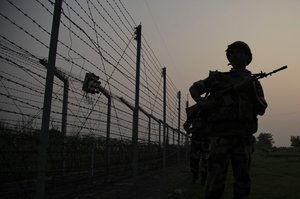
x=153, y=185
x=274, y=175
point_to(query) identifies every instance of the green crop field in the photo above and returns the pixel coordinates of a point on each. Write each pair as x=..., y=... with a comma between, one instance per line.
x=275, y=175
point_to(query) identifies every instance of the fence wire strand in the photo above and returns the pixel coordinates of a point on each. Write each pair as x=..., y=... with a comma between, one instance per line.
x=95, y=141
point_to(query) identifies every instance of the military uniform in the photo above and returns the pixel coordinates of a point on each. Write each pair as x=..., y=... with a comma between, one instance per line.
x=199, y=158
x=199, y=147
x=235, y=101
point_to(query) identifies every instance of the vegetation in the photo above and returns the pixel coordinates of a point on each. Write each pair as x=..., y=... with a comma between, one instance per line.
x=295, y=141
x=71, y=154
x=265, y=141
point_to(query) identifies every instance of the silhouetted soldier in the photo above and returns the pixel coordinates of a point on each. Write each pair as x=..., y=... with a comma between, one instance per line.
x=235, y=99
x=199, y=151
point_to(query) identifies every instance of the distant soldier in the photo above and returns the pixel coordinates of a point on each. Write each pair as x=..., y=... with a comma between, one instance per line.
x=235, y=101
x=194, y=126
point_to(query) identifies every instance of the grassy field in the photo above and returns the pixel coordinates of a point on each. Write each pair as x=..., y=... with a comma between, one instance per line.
x=275, y=175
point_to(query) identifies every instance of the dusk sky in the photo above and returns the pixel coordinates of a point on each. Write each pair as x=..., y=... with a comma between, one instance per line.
x=190, y=38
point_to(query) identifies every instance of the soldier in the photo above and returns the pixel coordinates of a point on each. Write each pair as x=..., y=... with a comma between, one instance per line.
x=235, y=101
x=199, y=143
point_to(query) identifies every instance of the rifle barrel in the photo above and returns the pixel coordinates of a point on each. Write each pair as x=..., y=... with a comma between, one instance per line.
x=262, y=75
x=279, y=69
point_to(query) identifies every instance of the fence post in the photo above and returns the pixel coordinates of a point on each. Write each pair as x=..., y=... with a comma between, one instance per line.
x=135, y=123
x=65, y=80
x=65, y=107
x=159, y=133
x=149, y=131
x=107, y=143
x=164, y=116
x=178, y=128
x=64, y=121
x=167, y=137
x=173, y=136
x=44, y=135
x=108, y=120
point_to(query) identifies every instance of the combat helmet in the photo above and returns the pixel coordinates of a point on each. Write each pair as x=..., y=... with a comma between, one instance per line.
x=242, y=45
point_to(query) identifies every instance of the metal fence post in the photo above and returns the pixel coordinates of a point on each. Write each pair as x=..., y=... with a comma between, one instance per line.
x=65, y=108
x=178, y=128
x=64, y=121
x=159, y=134
x=167, y=137
x=164, y=116
x=65, y=80
x=44, y=135
x=108, y=135
x=149, y=131
x=135, y=123
x=108, y=121
x=173, y=136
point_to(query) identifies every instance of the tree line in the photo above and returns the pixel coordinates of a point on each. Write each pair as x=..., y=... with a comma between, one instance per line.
x=265, y=141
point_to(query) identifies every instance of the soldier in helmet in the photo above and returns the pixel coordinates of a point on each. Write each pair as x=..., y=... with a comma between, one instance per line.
x=236, y=99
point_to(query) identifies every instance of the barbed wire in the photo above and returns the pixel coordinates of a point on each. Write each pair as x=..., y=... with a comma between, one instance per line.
x=94, y=37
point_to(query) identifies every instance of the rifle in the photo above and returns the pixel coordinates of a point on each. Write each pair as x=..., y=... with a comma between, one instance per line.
x=254, y=77
x=192, y=110
x=262, y=74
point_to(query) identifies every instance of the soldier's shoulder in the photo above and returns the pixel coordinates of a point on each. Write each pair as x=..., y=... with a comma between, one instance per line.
x=217, y=74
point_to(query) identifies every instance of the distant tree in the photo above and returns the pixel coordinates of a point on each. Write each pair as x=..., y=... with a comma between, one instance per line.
x=295, y=141
x=265, y=141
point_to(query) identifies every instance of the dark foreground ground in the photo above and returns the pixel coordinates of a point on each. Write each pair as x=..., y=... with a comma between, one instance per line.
x=275, y=175
x=153, y=185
